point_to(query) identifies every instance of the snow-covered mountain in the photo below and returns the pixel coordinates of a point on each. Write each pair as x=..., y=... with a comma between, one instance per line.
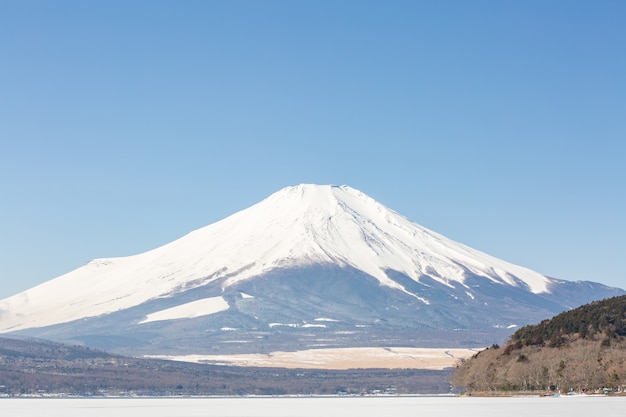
x=311, y=265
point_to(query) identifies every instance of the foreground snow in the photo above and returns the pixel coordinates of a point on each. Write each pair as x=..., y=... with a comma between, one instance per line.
x=347, y=358
x=315, y=407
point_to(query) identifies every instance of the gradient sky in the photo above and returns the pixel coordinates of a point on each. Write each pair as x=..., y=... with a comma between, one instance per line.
x=127, y=124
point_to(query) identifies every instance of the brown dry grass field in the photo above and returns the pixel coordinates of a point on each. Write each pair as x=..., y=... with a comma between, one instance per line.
x=347, y=358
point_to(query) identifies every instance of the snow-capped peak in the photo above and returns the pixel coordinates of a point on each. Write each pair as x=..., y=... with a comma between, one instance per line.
x=299, y=225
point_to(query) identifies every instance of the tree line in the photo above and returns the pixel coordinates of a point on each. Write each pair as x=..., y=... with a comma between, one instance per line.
x=30, y=367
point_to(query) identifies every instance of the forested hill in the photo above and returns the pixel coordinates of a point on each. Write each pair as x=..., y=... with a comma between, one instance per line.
x=580, y=350
x=604, y=319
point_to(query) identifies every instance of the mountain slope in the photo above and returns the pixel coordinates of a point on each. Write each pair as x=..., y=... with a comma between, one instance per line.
x=304, y=254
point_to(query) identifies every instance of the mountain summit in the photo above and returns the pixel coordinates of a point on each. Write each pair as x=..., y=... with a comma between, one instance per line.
x=311, y=265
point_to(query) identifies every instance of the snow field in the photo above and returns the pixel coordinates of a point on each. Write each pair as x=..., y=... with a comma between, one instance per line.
x=578, y=406
x=296, y=226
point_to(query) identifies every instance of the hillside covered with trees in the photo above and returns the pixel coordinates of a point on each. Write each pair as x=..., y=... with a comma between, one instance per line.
x=582, y=350
x=42, y=368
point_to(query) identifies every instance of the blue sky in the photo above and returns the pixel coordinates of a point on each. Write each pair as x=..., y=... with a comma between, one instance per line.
x=127, y=124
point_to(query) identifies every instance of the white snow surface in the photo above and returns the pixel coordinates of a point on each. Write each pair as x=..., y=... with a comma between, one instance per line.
x=198, y=308
x=301, y=406
x=296, y=226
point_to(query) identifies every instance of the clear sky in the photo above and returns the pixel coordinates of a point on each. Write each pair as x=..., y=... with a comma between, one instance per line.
x=127, y=124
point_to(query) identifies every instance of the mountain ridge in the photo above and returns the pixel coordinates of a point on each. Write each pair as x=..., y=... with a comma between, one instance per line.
x=335, y=245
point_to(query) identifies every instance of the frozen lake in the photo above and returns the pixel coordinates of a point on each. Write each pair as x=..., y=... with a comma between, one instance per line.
x=317, y=407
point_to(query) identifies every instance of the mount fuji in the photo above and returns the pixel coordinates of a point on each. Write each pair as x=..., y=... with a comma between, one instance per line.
x=310, y=266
